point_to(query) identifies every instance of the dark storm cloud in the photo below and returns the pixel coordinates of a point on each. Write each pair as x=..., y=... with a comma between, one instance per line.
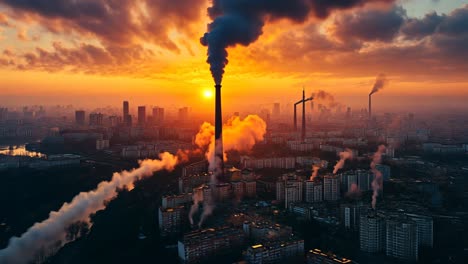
x=415, y=47
x=418, y=28
x=447, y=35
x=119, y=22
x=242, y=21
x=370, y=25
x=119, y=26
x=456, y=23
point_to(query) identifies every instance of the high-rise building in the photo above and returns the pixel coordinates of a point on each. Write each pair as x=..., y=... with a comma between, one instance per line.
x=129, y=120
x=402, y=239
x=313, y=191
x=237, y=189
x=425, y=229
x=292, y=192
x=318, y=192
x=201, y=245
x=331, y=188
x=309, y=191
x=80, y=117
x=158, y=115
x=250, y=189
x=372, y=232
x=141, y=115
x=171, y=220
x=126, y=112
x=350, y=215
x=126, y=109
x=96, y=119
x=222, y=191
x=348, y=179
x=280, y=190
x=183, y=113
x=364, y=180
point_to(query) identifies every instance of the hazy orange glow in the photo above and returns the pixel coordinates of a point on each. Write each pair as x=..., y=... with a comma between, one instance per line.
x=273, y=69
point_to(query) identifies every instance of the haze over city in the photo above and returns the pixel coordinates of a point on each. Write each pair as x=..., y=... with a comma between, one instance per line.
x=233, y=131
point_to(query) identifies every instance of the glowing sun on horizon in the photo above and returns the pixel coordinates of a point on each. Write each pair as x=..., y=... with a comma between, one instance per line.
x=208, y=94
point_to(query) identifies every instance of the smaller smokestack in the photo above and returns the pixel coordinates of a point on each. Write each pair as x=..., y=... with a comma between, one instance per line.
x=303, y=116
x=295, y=117
x=370, y=106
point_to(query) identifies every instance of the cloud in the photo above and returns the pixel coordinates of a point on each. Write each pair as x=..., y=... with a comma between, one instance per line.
x=369, y=25
x=131, y=37
x=241, y=22
x=110, y=33
x=3, y=20
x=345, y=45
x=418, y=28
x=118, y=22
x=83, y=58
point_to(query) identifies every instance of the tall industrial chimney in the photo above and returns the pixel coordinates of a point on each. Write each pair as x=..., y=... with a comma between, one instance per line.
x=303, y=116
x=219, y=156
x=370, y=106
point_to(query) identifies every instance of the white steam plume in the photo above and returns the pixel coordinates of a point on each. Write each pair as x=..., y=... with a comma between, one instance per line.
x=377, y=182
x=52, y=231
x=197, y=199
x=238, y=134
x=380, y=82
x=208, y=208
x=315, y=171
x=345, y=155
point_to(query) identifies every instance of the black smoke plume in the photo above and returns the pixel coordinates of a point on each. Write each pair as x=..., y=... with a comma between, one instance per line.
x=241, y=22
x=379, y=84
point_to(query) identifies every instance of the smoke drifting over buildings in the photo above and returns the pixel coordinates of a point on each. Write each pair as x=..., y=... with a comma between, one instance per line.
x=378, y=181
x=315, y=170
x=241, y=22
x=197, y=199
x=354, y=191
x=379, y=84
x=52, y=231
x=238, y=134
x=345, y=155
x=326, y=99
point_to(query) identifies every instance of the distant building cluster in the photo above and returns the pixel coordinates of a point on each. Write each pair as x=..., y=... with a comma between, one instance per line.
x=399, y=236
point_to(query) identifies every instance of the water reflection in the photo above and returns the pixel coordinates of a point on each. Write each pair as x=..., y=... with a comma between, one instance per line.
x=19, y=151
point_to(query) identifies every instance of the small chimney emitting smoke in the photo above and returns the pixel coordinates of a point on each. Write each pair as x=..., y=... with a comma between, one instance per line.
x=379, y=84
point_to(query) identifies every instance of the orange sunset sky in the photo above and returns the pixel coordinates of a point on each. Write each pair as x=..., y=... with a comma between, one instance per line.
x=99, y=52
